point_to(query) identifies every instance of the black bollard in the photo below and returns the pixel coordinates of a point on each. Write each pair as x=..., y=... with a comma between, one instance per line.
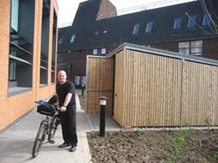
x=83, y=88
x=103, y=101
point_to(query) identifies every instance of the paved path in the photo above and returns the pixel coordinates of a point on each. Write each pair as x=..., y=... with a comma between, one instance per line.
x=17, y=141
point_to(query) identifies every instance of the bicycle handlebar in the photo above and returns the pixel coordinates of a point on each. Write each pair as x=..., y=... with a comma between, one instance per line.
x=40, y=102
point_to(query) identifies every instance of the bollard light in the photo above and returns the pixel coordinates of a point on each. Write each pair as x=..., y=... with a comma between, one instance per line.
x=83, y=88
x=103, y=102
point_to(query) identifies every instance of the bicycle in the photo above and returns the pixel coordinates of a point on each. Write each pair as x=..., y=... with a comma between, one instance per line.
x=47, y=127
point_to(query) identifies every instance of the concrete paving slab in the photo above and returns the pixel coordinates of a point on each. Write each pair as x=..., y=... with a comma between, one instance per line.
x=16, y=142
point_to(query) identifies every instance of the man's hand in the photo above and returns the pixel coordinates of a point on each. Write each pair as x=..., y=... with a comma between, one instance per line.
x=56, y=103
x=63, y=108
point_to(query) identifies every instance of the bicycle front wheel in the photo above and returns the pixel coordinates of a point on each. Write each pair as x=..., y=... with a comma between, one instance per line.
x=40, y=137
x=53, y=128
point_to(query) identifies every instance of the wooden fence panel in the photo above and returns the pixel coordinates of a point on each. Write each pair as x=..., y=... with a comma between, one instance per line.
x=118, y=85
x=99, y=82
x=200, y=93
x=151, y=90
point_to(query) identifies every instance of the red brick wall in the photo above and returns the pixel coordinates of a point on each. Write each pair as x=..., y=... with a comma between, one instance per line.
x=106, y=10
x=209, y=47
x=13, y=107
x=173, y=46
x=75, y=63
x=4, y=48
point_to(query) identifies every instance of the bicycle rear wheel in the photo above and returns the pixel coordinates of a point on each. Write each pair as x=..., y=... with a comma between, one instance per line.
x=40, y=137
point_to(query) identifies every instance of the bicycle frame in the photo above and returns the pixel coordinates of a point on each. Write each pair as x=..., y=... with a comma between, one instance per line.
x=47, y=129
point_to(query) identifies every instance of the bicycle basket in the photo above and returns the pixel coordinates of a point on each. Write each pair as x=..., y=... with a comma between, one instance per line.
x=46, y=109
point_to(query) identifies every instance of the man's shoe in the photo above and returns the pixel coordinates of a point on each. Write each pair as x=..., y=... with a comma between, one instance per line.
x=75, y=145
x=64, y=145
x=72, y=148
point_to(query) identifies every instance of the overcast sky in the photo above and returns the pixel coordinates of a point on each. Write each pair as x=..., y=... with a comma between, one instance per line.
x=68, y=8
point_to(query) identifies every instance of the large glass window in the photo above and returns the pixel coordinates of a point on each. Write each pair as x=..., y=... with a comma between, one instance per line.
x=21, y=45
x=14, y=14
x=45, y=43
x=54, y=42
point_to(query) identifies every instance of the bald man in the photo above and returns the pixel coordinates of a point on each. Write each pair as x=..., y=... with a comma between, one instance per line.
x=66, y=101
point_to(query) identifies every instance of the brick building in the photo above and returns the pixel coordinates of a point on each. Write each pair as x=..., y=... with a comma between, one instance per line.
x=28, y=56
x=189, y=28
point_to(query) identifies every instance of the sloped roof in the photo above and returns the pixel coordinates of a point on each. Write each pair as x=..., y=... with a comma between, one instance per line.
x=111, y=32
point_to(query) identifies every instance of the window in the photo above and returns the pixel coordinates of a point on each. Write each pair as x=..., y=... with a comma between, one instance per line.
x=136, y=29
x=99, y=51
x=70, y=68
x=95, y=51
x=14, y=14
x=61, y=40
x=13, y=72
x=105, y=31
x=177, y=23
x=103, y=51
x=191, y=48
x=54, y=41
x=72, y=38
x=59, y=58
x=184, y=48
x=206, y=19
x=196, y=47
x=21, y=46
x=97, y=32
x=191, y=21
x=45, y=43
x=149, y=27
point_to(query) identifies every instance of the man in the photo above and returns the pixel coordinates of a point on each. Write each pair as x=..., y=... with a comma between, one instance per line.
x=66, y=100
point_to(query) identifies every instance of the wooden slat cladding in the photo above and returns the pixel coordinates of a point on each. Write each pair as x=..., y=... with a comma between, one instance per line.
x=119, y=113
x=147, y=90
x=154, y=90
x=99, y=83
x=200, y=93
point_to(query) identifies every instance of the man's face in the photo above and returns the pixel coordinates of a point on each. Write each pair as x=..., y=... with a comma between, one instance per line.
x=62, y=77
